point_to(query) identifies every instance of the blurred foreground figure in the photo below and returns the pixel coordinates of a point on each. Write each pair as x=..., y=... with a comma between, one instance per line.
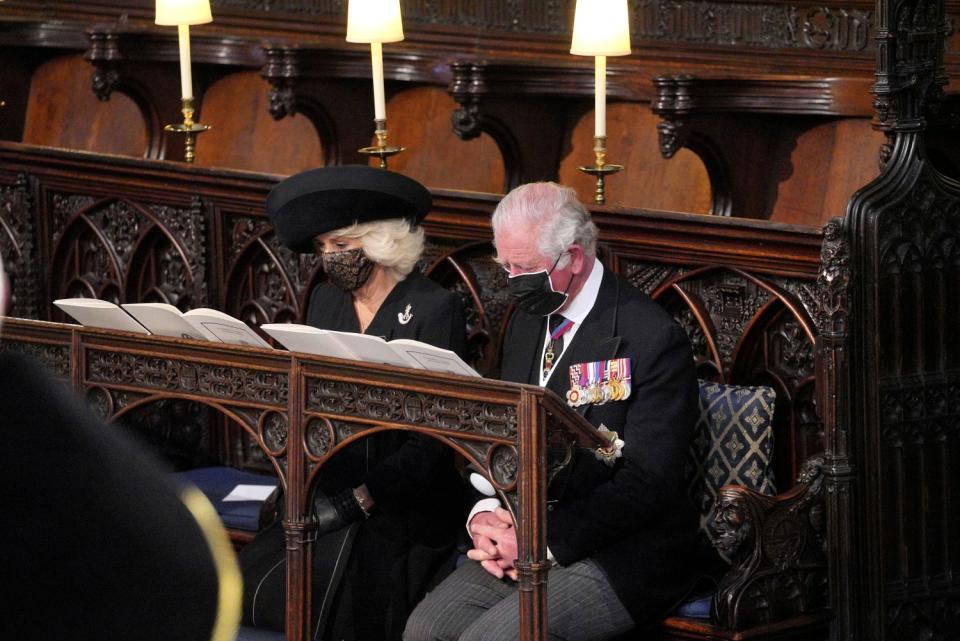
x=96, y=542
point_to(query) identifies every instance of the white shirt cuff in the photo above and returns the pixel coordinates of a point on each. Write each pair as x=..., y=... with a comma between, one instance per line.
x=483, y=505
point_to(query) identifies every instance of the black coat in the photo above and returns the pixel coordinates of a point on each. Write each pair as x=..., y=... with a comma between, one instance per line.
x=436, y=314
x=633, y=519
x=410, y=474
x=96, y=542
x=408, y=541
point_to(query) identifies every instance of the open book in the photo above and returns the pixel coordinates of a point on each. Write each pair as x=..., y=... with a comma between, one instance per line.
x=93, y=312
x=202, y=323
x=372, y=349
x=161, y=319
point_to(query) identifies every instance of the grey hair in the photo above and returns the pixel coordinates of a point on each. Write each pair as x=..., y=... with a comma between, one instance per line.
x=554, y=209
x=394, y=244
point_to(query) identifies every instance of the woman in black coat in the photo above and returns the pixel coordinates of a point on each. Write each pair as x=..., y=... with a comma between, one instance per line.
x=389, y=507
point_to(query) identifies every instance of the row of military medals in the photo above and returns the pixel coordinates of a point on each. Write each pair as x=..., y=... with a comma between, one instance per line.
x=599, y=382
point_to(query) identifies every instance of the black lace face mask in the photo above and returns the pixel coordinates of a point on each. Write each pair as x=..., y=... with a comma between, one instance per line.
x=348, y=270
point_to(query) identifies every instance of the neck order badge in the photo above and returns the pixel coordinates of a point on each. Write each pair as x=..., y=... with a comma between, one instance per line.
x=558, y=327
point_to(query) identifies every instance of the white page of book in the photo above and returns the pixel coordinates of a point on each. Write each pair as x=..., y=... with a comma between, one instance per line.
x=434, y=359
x=165, y=320
x=371, y=349
x=215, y=314
x=225, y=327
x=307, y=339
x=231, y=333
x=249, y=493
x=92, y=312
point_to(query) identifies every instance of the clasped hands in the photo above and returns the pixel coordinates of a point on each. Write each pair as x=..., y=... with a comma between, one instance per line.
x=494, y=542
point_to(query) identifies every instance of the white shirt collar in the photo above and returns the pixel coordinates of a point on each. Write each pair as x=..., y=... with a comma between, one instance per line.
x=583, y=302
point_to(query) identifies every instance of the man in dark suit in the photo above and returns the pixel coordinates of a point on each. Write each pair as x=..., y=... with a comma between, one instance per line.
x=621, y=532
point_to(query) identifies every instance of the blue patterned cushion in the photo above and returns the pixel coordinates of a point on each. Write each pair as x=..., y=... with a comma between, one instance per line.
x=732, y=443
x=695, y=607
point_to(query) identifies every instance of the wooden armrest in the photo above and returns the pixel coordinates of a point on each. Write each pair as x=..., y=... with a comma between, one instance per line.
x=806, y=627
x=777, y=548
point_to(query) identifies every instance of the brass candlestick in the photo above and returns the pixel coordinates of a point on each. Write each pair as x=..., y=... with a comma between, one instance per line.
x=189, y=128
x=600, y=169
x=381, y=150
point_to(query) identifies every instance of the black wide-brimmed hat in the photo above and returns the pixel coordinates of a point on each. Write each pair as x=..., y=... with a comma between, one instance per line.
x=318, y=201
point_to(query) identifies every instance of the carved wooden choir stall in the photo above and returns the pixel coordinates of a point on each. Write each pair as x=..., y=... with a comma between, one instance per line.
x=750, y=310
x=788, y=195
x=302, y=412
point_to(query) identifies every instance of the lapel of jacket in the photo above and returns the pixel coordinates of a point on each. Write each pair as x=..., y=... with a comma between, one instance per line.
x=520, y=364
x=595, y=340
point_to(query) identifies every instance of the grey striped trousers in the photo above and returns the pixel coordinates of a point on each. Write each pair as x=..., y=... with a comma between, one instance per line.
x=472, y=605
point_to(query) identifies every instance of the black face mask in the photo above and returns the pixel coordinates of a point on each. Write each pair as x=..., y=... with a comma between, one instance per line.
x=348, y=270
x=534, y=294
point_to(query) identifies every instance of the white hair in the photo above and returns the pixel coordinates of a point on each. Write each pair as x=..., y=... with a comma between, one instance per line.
x=394, y=244
x=561, y=220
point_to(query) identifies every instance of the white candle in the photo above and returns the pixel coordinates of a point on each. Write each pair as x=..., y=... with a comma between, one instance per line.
x=186, y=82
x=376, y=59
x=600, y=96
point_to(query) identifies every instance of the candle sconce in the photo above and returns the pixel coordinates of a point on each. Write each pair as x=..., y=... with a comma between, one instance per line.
x=381, y=150
x=600, y=168
x=182, y=14
x=376, y=22
x=189, y=128
x=601, y=28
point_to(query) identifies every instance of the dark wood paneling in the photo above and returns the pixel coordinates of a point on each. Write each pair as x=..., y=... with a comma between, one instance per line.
x=779, y=148
x=14, y=93
x=761, y=145
x=896, y=422
x=827, y=163
x=419, y=120
x=648, y=181
x=243, y=135
x=25, y=45
x=62, y=111
x=819, y=38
